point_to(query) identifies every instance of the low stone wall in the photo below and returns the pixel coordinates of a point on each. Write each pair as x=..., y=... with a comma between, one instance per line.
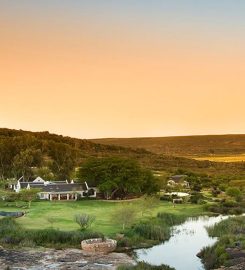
x=99, y=245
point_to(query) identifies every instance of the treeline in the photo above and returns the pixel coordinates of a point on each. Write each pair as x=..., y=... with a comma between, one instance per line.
x=25, y=153
x=21, y=155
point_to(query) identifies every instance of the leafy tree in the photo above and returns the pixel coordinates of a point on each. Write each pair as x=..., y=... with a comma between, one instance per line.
x=64, y=159
x=29, y=195
x=25, y=160
x=124, y=215
x=150, y=185
x=45, y=173
x=118, y=177
x=12, y=196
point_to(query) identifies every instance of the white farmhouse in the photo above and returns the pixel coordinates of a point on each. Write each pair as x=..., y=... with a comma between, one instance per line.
x=56, y=190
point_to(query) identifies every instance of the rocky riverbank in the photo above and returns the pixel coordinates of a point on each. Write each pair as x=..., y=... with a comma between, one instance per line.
x=240, y=266
x=236, y=259
x=72, y=259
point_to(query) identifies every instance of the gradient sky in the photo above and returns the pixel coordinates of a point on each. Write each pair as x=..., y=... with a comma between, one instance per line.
x=123, y=68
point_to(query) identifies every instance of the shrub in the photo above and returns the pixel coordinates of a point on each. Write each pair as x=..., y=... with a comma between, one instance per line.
x=230, y=204
x=166, y=198
x=234, y=192
x=130, y=241
x=84, y=220
x=196, y=198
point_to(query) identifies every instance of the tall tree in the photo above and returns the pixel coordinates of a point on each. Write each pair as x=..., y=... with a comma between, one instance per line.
x=117, y=177
x=24, y=161
x=64, y=159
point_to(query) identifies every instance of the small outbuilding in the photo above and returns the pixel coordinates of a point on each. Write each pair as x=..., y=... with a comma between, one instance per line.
x=176, y=180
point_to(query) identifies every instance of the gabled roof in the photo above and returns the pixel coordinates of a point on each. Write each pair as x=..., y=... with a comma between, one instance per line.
x=63, y=188
x=38, y=180
x=178, y=178
x=55, y=187
x=25, y=184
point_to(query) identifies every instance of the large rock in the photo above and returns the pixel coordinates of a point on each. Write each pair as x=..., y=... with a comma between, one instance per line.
x=48, y=259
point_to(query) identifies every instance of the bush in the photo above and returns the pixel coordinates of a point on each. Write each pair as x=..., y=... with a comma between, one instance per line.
x=234, y=192
x=130, y=241
x=84, y=220
x=230, y=204
x=166, y=198
x=196, y=198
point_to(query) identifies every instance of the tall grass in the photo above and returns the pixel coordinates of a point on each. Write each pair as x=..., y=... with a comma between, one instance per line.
x=231, y=233
x=226, y=208
x=12, y=233
x=171, y=219
x=158, y=228
x=234, y=225
x=152, y=231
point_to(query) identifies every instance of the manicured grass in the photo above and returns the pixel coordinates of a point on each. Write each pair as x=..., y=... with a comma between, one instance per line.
x=62, y=214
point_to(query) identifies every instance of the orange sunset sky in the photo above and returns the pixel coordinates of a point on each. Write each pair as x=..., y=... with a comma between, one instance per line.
x=123, y=68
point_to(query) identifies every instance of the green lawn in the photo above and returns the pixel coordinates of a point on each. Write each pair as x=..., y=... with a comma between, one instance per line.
x=63, y=213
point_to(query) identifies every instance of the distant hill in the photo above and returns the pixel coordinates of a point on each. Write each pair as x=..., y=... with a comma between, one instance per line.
x=185, y=146
x=20, y=151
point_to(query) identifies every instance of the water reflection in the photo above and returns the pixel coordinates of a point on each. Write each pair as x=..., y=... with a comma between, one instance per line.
x=181, y=249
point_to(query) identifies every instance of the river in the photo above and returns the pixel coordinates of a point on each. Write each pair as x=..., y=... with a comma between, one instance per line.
x=181, y=249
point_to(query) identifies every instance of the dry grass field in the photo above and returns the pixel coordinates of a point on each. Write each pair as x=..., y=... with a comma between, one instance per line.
x=228, y=146
x=237, y=158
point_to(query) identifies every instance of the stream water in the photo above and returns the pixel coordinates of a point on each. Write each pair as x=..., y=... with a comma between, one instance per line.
x=181, y=249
